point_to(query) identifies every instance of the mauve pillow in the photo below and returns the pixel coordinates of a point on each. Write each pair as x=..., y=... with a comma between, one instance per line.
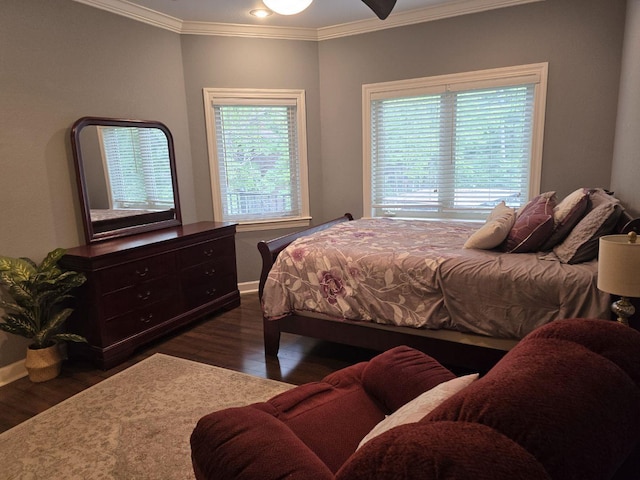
x=566, y=215
x=533, y=226
x=495, y=229
x=598, y=196
x=582, y=243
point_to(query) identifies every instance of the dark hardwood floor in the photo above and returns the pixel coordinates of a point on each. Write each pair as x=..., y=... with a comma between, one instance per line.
x=231, y=339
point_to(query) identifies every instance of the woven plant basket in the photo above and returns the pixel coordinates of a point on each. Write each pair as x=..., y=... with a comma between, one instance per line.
x=43, y=364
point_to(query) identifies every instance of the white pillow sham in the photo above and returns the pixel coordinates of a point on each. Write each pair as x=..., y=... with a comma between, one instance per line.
x=495, y=229
x=416, y=409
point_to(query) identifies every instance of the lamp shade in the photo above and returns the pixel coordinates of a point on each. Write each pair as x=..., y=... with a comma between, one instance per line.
x=619, y=266
x=287, y=7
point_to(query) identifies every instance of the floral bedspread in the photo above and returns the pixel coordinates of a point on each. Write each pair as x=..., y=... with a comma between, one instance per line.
x=416, y=273
x=382, y=270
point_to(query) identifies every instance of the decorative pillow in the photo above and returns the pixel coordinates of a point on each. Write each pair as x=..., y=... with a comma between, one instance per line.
x=495, y=229
x=533, y=226
x=416, y=409
x=598, y=196
x=531, y=203
x=566, y=215
x=582, y=243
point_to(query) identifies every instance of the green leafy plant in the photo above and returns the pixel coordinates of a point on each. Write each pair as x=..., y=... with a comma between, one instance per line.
x=34, y=297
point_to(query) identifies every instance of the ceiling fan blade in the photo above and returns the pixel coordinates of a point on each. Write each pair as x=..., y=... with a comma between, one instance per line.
x=382, y=8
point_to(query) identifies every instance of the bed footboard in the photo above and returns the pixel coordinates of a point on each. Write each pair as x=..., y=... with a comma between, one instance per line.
x=271, y=331
x=269, y=251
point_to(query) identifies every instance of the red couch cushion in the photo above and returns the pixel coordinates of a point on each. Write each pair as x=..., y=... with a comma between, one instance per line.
x=568, y=394
x=399, y=375
x=330, y=416
x=319, y=422
x=434, y=451
x=244, y=443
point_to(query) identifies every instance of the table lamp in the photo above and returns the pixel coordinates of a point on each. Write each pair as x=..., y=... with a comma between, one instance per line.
x=619, y=272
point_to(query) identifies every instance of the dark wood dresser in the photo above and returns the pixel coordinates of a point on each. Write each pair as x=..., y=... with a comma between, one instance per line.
x=142, y=286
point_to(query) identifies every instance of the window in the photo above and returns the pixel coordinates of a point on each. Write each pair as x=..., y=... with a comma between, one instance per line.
x=133, y=158
x=257, y=157
x=453, y=146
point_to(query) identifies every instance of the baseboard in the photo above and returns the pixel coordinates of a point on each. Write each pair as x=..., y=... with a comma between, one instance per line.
x=12, y=372
x=248, y=287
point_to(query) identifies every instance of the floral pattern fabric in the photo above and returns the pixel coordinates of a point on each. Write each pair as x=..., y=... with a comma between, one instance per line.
x=382, y=270
x=415, y=273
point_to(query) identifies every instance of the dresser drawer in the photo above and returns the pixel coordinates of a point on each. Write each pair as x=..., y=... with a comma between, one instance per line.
x=139, y=296
x=124, y=326
x=199, y=294
x=207, y=251
x=206, y=272
x=135, y=272
x=204, y=283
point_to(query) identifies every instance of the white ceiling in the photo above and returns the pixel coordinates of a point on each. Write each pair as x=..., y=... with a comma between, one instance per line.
x=321, y=13
x=323, y=19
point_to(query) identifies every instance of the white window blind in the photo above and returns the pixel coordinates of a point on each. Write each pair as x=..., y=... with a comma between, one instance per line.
x=134, y=158
x=260, y=157
x=453, y=152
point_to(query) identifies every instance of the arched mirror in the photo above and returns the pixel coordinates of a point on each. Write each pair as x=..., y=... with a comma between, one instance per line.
x=126, y=176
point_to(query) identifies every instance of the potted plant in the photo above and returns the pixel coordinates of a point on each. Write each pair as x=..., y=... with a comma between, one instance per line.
x=35, y=300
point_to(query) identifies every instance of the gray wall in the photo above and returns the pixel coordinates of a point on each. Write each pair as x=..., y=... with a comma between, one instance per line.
x=582, y=42
x=60, y=60
x=224, y=62
x=582, y=45
x=625, y=176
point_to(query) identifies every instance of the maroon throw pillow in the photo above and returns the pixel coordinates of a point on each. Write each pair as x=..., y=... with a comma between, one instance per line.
x=533, y=226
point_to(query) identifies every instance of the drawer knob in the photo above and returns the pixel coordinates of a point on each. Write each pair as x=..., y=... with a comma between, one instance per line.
x=211, y=292
x=142, y=272
x=210, y=273
x=208, y=252
x=147, y=318
x=145, y=296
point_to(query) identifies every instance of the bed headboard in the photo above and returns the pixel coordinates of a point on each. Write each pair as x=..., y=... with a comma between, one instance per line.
x=629, y=224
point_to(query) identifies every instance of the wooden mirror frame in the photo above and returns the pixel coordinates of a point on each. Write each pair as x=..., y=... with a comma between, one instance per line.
x=128, y=225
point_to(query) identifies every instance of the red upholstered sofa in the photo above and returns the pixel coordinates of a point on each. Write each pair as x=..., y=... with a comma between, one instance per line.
x=563, y=404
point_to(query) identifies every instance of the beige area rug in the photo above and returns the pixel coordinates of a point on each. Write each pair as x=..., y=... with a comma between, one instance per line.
x=135, y=425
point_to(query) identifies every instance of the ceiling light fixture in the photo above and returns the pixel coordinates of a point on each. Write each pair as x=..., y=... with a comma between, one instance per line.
x=261, y=12
x=287, y=7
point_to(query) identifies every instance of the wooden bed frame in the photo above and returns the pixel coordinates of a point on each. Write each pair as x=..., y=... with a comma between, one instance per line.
x=453, y=348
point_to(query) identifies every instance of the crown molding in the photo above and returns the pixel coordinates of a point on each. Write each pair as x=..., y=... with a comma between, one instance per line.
x=412, y=17
x=251, y=31
x=138, y=13
x=436, y=12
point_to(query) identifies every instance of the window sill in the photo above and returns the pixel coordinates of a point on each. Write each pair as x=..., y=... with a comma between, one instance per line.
x=273, y=224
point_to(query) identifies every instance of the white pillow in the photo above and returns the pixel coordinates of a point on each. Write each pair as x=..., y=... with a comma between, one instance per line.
x=419, y=407
x=568, y=204
x=495, y=230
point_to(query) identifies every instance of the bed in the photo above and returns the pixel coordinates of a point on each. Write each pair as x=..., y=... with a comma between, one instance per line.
x=104, y=220
x=466, y=307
